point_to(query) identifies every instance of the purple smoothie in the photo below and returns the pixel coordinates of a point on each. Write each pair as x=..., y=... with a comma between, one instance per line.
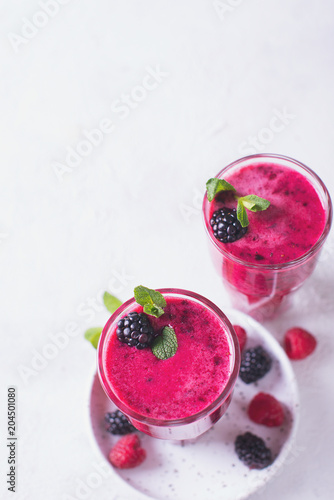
x=182, y=385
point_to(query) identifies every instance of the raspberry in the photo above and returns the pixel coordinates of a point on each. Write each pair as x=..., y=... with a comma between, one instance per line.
x=127, y=452
x=135, y=330
x=266, y=410
x=299, y=343
x=241, y=334
x=118, y=423
x=255, y=363
x=225, y=225
x=252, y=451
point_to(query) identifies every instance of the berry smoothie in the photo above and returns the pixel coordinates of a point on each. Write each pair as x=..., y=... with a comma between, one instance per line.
x=191, y=388
x=278, y=251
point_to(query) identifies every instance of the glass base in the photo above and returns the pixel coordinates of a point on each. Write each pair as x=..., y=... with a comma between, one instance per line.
x=259, y=308
x=185, y=432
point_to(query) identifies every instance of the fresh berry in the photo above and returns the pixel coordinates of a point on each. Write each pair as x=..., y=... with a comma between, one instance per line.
x=241, y=334
x=135, y=330
x=118, y=423
x=252, y=451
x=266, y=410
x=298, y=343
x=225, y=225
x=127, y=452
x=255, y=363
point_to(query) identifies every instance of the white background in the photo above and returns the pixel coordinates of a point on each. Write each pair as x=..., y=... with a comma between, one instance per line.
x=129, y=212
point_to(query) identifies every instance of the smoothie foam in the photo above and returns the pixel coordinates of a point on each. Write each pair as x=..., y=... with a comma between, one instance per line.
x=182, y=385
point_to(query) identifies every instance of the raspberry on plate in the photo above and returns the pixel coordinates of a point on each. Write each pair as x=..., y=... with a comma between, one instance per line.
x=255, y=363
x=127, y=452
x=241, y=334
x=252, y=451
x=266, y=410
x=299, y=343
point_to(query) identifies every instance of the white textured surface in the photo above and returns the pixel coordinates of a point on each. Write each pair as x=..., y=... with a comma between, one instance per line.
x=62, y=243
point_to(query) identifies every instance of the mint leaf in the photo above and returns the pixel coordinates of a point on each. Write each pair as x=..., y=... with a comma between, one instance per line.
x=242, y=214
x=254, y=203
x=151, y=300
x=165, y=345
x=214, y=186
x=112, y=303
x=153, y=310
x=157, y=298
x=93, y=335
x=142, y=296
x=251, y=202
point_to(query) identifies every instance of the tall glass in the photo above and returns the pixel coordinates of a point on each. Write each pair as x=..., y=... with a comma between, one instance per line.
x=193, y=425
x=261, y=289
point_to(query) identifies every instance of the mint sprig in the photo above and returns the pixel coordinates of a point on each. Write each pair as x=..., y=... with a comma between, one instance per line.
x=152, y=301
x=112, y=304
x=165, y=345
x=93, y=335
x=215, y=185
x=250, y=202
x=242, y=215
x=254, y=203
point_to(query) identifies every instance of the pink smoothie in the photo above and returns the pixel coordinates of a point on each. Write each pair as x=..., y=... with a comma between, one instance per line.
x=179, y=386
x=291, y=225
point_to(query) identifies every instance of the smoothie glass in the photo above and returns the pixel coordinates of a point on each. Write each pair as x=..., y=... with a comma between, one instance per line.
x=182, y=428
x=260, y=289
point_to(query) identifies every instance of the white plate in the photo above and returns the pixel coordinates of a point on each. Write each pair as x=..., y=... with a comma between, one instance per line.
x=209, y=467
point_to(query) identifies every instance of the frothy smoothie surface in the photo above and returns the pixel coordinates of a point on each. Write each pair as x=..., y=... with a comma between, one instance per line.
x=291, y=225
x=183, y=384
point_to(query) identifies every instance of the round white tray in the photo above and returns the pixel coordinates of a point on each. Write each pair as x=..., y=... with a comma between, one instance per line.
x=209, y=467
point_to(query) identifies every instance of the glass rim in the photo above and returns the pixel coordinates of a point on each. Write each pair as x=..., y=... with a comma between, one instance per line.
x=290, y=263
x=227, y=390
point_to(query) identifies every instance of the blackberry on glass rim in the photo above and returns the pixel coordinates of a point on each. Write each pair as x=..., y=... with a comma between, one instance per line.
x=225, y=225
x=135, y=330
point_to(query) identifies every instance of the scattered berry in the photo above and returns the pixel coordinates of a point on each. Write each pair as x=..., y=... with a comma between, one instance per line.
x=118, y=423
x=225, y=225
x=255, y=363
x=252, y=451
x=266, y=410
x=298, y=343
x=241, y=334
x=127, y=452
x=135, y=330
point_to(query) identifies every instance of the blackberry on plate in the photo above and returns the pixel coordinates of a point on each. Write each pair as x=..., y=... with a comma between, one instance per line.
x=118, y=423
x=136, y=330
x=225, y=225
x=252, y=451
x=255, y=363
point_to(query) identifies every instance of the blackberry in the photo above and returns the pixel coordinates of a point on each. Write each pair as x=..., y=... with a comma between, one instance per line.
x=225, y=225
x=135, y=330
x=252, y=451
x=118, y=423
x=255, y=363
